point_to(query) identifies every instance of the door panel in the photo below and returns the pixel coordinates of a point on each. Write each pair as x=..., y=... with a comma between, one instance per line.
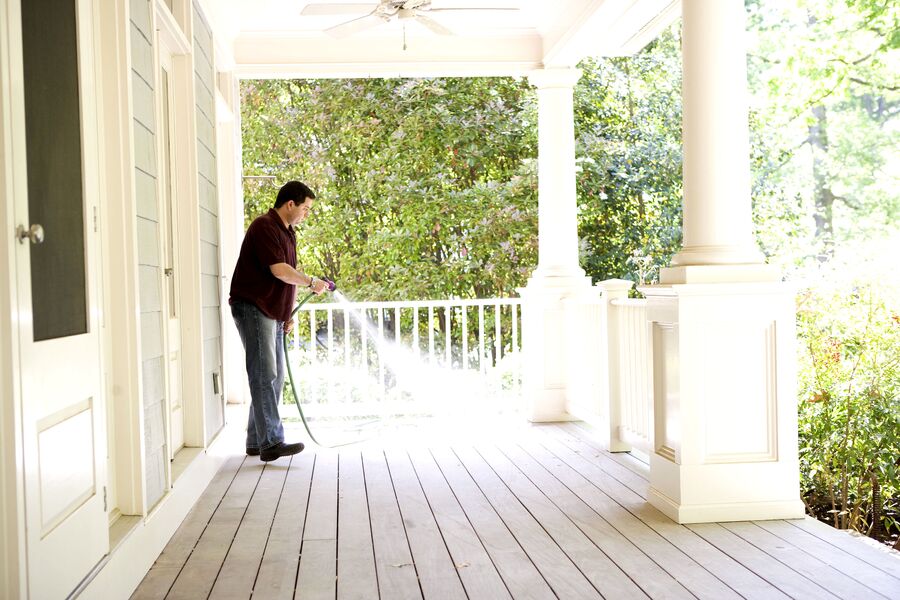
x=169, y=188
x=55, y=161
x=53, y=133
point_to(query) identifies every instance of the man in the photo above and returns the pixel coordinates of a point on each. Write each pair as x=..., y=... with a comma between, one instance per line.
x=263, y=290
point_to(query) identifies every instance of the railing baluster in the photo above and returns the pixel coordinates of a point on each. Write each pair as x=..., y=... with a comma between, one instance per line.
x=348, y=387
x=364, y=345
x=382, y=384
x=417, y=351
x=515, y=327
x=481, y=366
x=312, y=344
x=448, y=350
x=330, y=336
x=498, y=337
x=431, y=335
x=465, y=338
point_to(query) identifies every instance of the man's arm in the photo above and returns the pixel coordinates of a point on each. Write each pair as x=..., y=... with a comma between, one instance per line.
x=288, y=274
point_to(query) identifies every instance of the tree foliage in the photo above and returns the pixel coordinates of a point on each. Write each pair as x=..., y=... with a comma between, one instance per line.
x=826, y=88
x=628, y=127
x=427, y=186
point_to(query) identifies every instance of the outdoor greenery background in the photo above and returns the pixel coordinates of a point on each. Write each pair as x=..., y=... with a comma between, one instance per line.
x=428, y=189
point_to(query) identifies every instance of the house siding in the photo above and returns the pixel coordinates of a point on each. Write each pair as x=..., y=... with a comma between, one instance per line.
x=205, y=106
x=149, y=263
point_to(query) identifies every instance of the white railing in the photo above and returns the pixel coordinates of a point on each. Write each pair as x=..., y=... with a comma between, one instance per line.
x=376, y=359
x=634, y=377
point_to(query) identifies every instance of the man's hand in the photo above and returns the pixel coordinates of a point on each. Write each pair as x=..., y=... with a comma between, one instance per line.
x=288, y=326
x=319, y=287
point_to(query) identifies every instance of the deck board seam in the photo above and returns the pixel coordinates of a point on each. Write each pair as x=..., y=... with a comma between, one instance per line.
x=196, y=541
x=387, y=465
x=599, y=516
x=205, y=527
x=365, y=489
x=469, y=521
x=886, y=578
x=532, y=517
x=600, y=463
x=236, y=529
x=824, y=565
x=639, y=519
x=436, y=523
x=772, y=583
x=496, y=513
x=312, y=473
x=564, y=514
x=271, y=525
x=842, y=549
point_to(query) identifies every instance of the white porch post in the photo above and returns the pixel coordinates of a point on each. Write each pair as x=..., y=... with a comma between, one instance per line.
x=724, y=372
x=558, y=275
x=718, y=239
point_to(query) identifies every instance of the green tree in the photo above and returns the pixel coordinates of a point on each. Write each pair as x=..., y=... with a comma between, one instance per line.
x=628, y=129
x=826, y=93
x=428, y=186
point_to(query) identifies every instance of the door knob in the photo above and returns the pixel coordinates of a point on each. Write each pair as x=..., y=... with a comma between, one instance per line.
x=35, y=233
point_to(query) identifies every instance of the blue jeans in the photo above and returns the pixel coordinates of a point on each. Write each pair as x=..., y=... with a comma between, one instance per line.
x=264, y=347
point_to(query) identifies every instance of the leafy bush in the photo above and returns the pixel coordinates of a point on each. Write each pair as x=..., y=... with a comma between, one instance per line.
x=849, y=407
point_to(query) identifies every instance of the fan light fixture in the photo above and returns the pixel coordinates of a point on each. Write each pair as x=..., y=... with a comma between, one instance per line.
x=419, y=11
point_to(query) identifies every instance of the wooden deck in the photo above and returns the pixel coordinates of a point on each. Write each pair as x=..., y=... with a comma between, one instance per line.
x=547, y=513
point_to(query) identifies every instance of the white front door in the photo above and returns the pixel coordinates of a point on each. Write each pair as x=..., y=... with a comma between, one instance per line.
x=171, y=299
x=55, y=162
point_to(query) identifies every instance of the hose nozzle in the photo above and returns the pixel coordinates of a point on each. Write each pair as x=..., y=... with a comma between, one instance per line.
x=331, y=285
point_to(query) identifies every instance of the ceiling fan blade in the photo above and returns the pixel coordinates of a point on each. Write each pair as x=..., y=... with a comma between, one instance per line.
x=432, y=25
x=482, y=9
x=314, y=10
x=355, y=25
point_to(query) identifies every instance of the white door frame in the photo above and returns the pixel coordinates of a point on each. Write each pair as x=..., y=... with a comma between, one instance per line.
x=179, y=44
x=118, y=233
x=12, y=516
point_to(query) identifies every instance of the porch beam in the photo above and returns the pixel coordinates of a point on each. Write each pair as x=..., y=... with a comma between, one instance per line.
x=608, y=28
x=320, y=56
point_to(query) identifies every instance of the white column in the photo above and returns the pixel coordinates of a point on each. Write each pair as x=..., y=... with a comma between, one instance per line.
x=722, y=325
x=557, y=224
x=718, y=242
x=558, y=276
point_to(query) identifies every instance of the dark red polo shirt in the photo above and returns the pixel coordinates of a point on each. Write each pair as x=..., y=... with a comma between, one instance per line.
x=267, y=242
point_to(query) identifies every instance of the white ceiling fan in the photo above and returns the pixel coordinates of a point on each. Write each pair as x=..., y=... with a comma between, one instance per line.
x=387, y=10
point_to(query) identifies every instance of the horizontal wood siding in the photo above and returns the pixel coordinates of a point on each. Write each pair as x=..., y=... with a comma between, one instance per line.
x=211, y=328
x=149, y=264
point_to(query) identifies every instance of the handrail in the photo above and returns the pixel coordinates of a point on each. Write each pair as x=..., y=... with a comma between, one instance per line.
x=359, y=354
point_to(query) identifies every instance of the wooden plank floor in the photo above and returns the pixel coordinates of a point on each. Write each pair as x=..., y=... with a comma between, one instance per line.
x=545, y=512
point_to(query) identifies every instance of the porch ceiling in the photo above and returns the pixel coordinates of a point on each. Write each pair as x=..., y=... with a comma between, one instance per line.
x=272, y=38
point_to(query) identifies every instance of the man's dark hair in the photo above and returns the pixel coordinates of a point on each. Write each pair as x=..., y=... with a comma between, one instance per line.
x=294, y=190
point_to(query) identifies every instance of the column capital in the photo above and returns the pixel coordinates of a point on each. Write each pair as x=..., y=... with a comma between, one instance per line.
x=555, y=77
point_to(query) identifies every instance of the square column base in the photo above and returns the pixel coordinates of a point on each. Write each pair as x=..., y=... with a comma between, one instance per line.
x=724, y=398
x=734, y=511
x=544, y=341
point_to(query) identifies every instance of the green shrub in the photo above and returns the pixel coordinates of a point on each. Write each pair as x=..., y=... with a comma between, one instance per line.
x=849, y=409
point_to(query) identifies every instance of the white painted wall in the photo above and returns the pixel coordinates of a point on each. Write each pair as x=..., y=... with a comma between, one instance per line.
x=207, y=182
x=149, y=260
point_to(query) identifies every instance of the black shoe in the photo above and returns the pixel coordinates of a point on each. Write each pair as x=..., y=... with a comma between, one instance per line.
x=252, y=451
x=282, y=449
